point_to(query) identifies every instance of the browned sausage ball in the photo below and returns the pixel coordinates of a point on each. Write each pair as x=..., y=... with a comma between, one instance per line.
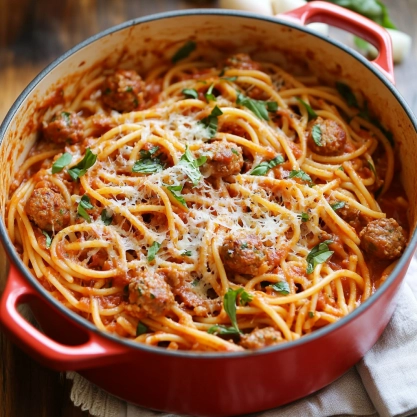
x=151, y=294
x=333, y=137
x=244, y=253
x=48, y=210
x=383, y=239
x=223, y=159
x=64, y=127
x=242, y=61
x=123, y=91
x=260, y=338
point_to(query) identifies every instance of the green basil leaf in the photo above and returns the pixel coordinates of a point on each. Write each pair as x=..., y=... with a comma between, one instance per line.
x=231, y=79
x=191, y=166
x=235, y=151
x=129, y=89
x=265, y=166
x=272, y=106
x=64, y=160
x=338, y=205
x=187, y=253
x=341, y=168
x=282, y=287
x=153, y=250
x=311, y=314
x=84, y=205
x=176, y=192
x=245, y=298
x=190, y=93
x=219, y=329
x=256, y=106
x=48, y=241
x=184, y=51
x=211, y=121
x=141, y=329
x=148, y=166
x=316, y=134
x=346, y=92
x=66, y=116
x=304, y=217
x=311, y=113
x=302, y=175
x=148, y=154
x=209, y=95
x=229, y=302
x=105, y=218
x=318, y=255
x=81, y=168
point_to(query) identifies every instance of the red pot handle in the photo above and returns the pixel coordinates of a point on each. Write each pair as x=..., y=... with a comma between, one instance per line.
x=320, y=11
x=97, y=351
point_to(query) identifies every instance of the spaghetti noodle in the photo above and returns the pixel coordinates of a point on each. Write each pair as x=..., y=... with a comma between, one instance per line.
x=208, y=207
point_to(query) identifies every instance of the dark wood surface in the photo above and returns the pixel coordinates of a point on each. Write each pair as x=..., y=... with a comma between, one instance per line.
x=32, y=34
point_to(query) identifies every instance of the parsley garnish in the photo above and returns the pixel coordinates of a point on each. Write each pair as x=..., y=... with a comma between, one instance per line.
x=265, y=166
x=81, y=168
x=229, y=302
x=84, y=205
x=302, y=175
x=311, y=113
x=219, y=329
x=175, y=190
x=209, y=95
x=147, y=164
x=190, y=93
x=153, y=250
x=318, y=255
x=48, y=241
x=66, y=116
x=282, y=287
x=304, y=217
x=191, y=165
x=316, y=134
x=141, y=329
x=338, y=205
x=106, y=219
x=184, y=51
x=256, y=106
x=211, y=121
x=346, y=92
x=187, y=253
x=61, y=162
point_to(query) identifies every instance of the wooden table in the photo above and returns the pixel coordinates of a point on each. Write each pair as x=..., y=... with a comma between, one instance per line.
x=32, y=34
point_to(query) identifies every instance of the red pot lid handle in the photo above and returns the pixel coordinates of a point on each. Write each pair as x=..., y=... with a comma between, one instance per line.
x=320, y=11
x=96, y=351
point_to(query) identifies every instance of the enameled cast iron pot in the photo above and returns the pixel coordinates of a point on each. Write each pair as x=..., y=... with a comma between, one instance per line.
x=195, y=383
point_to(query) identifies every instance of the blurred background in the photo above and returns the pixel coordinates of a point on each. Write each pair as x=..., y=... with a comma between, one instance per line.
x=35, y=32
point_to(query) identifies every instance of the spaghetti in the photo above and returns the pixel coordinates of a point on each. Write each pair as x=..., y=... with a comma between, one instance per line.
x=210, y=208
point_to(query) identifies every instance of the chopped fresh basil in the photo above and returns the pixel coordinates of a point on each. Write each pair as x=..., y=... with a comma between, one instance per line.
x=229, y=302
x=129, y=89
x=245, y=298
x=318, y=255
x=346, y=92
x=81, y=168
x=195, y=282
x=316, y=134
x=190, y=93
x=184, y=51
x=311, y=113
x=66, y=116
x=209, y=95
x=231, y=79
x=105, y=218
x=256, y=106
x=84, y=205
x=371, y=167
x=304, y=217
x=175, y=190
x=153, y=250
x=141, y=329
x=211, y=121
x=311, y=314
x=244, y=245
x=265, y=166
x=191, y=166
x=302, y=175
x=148, y=154
x=147, y=164
x=282, y=287
x=61, y=162
x=235, y=151
x=341, y=168
x=219, y=329
x=272, y=106
x=187, y=253
x=338, y=205
x=48, y=241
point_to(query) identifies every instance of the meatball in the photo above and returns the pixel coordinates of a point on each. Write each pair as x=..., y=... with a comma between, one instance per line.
x=151, y=294
x=353, y=216
x=260, y=338
x=123, y=91
x=242, y=61
x=48, y=210
x=383, y=238
x=244, y=253
x=64, y=127
x=223, y=159
x=329, y=134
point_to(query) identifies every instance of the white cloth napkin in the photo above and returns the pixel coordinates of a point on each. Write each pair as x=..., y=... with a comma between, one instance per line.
x=383, y=383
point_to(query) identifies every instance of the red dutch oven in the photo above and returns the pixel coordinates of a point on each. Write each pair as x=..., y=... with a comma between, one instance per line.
x=209, y=384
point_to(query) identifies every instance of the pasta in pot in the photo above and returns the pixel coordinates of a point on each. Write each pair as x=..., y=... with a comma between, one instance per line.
x=209, y=207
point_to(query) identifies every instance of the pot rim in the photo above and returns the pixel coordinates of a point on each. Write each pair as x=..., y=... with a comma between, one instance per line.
x=15, y=259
